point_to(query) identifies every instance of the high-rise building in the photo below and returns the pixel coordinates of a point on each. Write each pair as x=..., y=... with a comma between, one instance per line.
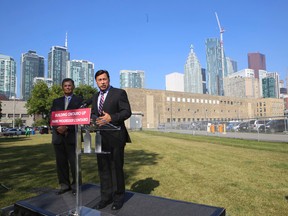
x=268, y=87
x=276, y=77
x=242, y=84
x=204, y=84
x=32, y=65
x=7, y=76
x=81, y=71
x=214, y=71
x=192, y=74
x=48, y=81
x=256, y=61
x=57, y=63
x=132, y=79
x=231, y=66
x=174, y=82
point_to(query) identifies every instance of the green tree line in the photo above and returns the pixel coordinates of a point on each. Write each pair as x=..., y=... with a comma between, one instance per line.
x=42, y=96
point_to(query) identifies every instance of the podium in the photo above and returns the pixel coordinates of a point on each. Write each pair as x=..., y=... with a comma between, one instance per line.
x=83, y=122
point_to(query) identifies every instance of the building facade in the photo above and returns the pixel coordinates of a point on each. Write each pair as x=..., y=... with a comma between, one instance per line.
x=268, y=87
x=231, y=66
x=81, y=71
x=158, y=107
x=192, y=74
x=57, y=63
x=132, y=79
x=14, y=109
x=256, y=61
x=174, y=82
x=214, y=71
x=7, y=76
x=32, y=65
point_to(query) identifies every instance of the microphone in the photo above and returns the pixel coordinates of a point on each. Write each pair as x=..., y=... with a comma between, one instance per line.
x=86, y=103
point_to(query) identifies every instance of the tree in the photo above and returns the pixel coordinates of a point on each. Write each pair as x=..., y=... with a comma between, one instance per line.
x=85, y=91
x=18, y=122
x=37, y=103
x=41, y=99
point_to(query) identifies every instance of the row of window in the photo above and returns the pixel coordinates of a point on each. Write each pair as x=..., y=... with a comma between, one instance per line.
x=197, y=100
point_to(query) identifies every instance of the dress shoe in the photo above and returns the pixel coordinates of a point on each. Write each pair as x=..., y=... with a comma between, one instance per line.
x=62, y=191
x=117, y=205
x=102, y=204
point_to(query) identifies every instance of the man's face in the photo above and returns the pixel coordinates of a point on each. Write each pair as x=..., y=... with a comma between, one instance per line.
x=67, y=88
x=102, y=82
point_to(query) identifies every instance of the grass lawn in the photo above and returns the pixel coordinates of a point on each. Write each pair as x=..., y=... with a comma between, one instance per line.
x=245, y=177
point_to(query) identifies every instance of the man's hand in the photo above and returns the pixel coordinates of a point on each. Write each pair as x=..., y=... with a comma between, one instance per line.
x=103, y=120
x=62, y=129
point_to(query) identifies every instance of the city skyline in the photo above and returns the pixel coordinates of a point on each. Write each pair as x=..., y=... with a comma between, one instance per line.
x=145, y=35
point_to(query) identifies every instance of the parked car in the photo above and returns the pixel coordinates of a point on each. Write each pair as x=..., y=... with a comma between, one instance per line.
x=12, y=132
x=244, y=126
x=232, y=126
x=257, y=124
x=43, y=130
x=277, y=125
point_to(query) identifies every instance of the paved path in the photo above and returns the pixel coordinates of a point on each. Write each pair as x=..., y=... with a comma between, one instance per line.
x=281, y=137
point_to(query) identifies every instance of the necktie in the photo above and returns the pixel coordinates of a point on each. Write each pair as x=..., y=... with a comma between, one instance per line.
x=101, y=102
x=67, y=99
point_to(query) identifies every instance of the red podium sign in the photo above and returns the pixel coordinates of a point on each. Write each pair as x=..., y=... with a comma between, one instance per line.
x=70, y=117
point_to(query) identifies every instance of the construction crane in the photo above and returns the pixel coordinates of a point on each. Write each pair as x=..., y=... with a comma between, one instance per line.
x=221, y=29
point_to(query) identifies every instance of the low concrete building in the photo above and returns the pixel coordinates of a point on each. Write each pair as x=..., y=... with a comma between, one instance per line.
x=160, y=106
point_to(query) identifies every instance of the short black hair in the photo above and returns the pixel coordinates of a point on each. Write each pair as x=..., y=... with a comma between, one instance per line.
x=100, y=72
x=68, y=80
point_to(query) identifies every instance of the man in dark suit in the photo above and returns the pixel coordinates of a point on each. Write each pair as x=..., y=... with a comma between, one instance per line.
x=111, y=105
x=64, y=139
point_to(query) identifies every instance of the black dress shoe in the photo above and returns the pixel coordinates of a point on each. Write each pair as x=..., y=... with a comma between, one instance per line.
x=102, y=204
x=117, y=205
x=62, y=191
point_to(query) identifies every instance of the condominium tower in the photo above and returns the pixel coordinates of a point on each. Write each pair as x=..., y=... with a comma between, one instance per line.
x=7, y=76
x=132, y=79
x=214, y=67
x=81, y=71
x=32, y=65
x=57, y=63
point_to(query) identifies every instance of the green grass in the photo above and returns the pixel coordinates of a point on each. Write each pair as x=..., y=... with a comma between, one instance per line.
x=245, y=177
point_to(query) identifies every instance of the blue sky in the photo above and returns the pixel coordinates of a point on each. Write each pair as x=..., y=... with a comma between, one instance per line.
x=150, y=35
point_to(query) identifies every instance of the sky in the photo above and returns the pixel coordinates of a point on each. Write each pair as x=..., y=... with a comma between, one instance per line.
x=150, y=35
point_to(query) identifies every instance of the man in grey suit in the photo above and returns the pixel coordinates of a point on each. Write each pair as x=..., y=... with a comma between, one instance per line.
x=64, y=139
x=111, y=106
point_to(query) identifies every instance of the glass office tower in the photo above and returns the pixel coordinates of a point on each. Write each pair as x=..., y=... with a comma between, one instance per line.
x=192, y=74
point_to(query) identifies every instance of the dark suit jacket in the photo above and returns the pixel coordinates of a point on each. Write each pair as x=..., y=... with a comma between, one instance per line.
x=59, y=104
x=117, y=106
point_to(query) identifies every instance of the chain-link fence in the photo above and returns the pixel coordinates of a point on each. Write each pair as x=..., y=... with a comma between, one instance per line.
x=260, y=125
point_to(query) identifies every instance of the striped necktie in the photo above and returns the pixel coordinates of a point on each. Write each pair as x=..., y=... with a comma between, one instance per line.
x=100, y=108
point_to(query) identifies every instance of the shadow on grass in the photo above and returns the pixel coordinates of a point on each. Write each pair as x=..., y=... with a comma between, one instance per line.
x=8, y=139
x=145, y=186
x=26, y=168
